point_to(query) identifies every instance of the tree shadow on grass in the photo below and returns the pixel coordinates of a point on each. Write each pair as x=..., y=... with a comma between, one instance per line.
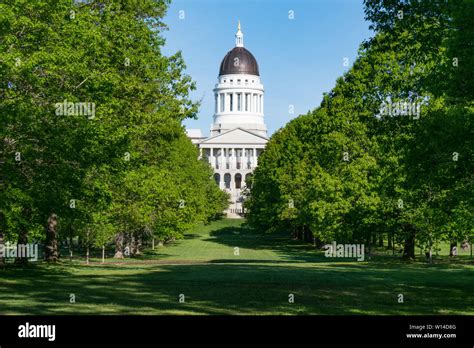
x=233, y=289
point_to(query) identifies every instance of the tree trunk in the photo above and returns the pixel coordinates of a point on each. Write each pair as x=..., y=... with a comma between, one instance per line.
x=103, y=253
x=22, y=241
x=390, y=241
x=118, y=246
x=452, y=244
x=70, y=249
x=409, y=248
x=307, y=235
x=139, y=245
x=87, y=246
x=381, y=240
x=369, y=246
x=132, y=244
x=153, y=243
x=135, y=244
x=51, y=253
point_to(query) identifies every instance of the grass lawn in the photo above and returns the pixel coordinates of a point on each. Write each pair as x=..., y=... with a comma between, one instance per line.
x=214, y=280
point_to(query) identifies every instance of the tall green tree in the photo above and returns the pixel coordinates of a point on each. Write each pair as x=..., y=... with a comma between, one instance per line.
x=85, y=95
x=402, y=117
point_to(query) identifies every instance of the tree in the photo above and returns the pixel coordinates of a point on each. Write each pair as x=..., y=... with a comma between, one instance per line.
x=89, y=104
x=397, y=127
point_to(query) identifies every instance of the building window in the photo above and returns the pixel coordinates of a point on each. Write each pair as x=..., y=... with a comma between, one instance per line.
x=239, y=101
x=222, y=96
x=231, y=82
x=238, y=81
x=217, y=178
x=246, y=102
x=231, y=101
x=215, y=99
x=238, y=181
x=227, y=180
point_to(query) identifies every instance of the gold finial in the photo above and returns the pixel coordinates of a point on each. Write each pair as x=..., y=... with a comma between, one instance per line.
x=238, y=26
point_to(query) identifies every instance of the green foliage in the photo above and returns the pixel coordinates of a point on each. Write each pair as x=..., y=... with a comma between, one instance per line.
x=87, y=167
x=400, y=177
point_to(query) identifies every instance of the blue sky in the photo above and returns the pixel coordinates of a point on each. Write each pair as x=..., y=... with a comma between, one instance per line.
x=299, y=59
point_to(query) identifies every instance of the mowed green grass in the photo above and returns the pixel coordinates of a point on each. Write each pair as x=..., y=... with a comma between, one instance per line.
x=214, y=280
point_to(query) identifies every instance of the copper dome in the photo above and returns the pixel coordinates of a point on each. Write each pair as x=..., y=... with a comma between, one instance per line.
x=239, y=60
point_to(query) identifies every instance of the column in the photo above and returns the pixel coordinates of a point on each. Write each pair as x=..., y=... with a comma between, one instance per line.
x=222, y=159
x=218, y=103
x=261, y=108
x=234, y=158
x=255, y=160
x=210, y=157
x=244, y=161
x=200, y=152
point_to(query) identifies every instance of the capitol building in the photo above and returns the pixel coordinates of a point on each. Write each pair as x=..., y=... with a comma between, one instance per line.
x=238, y=133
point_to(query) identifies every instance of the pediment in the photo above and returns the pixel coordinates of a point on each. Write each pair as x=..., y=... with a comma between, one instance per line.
x=236, y=136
